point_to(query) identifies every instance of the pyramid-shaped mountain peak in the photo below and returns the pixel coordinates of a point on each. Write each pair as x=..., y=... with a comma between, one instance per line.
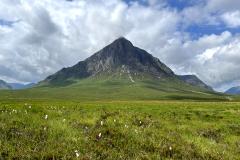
x=120, y=46
x=120, y=57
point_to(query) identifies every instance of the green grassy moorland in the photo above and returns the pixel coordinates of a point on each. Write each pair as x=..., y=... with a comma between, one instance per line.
x=119, y=130
x=115, y=89
x=118, y=121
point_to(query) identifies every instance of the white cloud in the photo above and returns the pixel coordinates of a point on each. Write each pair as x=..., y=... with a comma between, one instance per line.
x=213, y=12
x=216, y=62
x=232, y=19
x=223, y=5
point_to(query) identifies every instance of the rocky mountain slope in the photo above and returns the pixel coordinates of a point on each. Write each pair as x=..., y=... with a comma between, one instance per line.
x=195, y=81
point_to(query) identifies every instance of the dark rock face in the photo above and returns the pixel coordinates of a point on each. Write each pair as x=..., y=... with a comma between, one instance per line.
x=121, y=54
x=195, y=81
x=234, y=90
x=4, y=85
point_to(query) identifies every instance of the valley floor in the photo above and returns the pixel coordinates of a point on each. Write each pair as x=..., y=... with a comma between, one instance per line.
x=119, y=130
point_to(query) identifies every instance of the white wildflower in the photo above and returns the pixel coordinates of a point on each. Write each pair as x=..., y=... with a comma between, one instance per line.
x=170, y=148
x=14, y=111
x=29, y=107
x=99, y=135
x=126, y=126
x=64, y=120
x=77, y=153
x=101, y=123
x=46, y=116
x=114, y=120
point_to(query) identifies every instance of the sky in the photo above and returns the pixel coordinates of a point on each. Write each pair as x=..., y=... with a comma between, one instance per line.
x=201, y=37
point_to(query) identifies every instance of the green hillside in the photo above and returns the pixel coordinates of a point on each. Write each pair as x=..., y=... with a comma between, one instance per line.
x=116, y=89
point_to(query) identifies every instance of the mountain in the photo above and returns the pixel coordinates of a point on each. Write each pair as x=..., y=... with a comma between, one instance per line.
x=122, y=63
x=234, y=90
x=18, y=86
x=120, y=58
x=4, y=85
x=195, y=81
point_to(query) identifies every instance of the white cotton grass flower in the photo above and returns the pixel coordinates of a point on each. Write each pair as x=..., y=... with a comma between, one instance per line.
x=14, y=111
x=46, y=117
x=170, y=148
x=100, y=135
x=101, y=123
x=114, y=120
x=77, y=153
x=45, y=128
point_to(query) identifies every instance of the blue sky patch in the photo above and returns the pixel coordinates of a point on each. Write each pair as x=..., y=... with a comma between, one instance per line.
x=7, y=23
x=181, y=4
x=177, y=4
x=200, y=30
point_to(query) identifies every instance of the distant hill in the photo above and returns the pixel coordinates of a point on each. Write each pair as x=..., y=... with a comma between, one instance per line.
x=4, y=85
x=233, y=90
x=18, y=86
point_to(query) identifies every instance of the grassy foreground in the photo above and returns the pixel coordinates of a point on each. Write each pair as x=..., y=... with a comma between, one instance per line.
x=119, y=130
